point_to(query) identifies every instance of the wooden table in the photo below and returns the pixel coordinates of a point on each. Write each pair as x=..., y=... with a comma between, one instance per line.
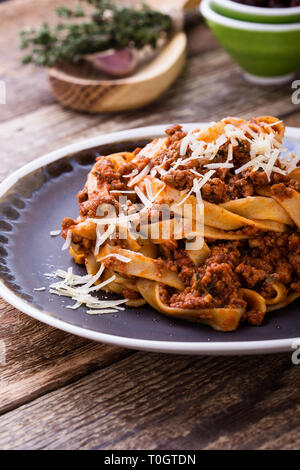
x=58, y=391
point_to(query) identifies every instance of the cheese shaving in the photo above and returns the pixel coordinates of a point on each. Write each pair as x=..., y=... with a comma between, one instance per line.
x=230, y=153
x=219, y=165
x=101, y=312
x=272, y=124
x=255, y=162
x=67, y=243
x=197, y=185
x=153, y=171
x=118, y=257
x=195, y=172
x=55, y=233
x=130, y=175
x=121, y=191
x=142, y=196
x=205, y=178
x=148, y=189
x=161, y=171
x=251, y=132
x=139, y=176
x=101, y=238
x=271, y=162
x=93, y=279
x=187, y=140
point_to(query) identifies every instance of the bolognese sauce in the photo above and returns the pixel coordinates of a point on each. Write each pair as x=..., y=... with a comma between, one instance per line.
x=258, y=259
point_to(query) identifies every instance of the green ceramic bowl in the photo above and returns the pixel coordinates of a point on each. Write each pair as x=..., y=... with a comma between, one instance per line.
x=256, y=14
x=269, y=54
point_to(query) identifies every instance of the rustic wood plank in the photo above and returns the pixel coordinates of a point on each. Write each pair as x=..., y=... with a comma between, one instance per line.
x=153, y=401
x=40, y=358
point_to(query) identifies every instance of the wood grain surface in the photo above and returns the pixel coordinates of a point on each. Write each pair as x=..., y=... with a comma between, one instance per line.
x=58, y=391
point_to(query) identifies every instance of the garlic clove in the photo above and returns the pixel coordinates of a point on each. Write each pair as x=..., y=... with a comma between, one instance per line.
x=115, y=63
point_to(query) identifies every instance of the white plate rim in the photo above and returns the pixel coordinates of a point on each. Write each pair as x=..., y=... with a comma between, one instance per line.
x=171, y=347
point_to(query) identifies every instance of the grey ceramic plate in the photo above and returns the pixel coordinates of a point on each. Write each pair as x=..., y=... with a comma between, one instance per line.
x=35, y=199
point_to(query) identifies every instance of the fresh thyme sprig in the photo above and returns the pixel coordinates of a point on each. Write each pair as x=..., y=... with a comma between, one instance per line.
x=107, y=26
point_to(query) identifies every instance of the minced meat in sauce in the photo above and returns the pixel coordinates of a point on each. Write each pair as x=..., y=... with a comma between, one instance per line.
x=254, y=263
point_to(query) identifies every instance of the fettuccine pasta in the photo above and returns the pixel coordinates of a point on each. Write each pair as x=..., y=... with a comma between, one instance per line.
x=203, y=226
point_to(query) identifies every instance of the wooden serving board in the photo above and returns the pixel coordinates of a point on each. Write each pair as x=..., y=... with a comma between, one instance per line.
x=75, y=87
x=92, y=95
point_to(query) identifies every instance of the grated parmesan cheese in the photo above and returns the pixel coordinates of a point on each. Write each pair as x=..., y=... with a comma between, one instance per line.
x=130, y=175
x=272, y=124
x=230, y=153
x=139, y=176
x=255, y=162
x=142, y=196
x=122, y=258
x=82, y=294
x=148, y=189
x=161, y=171
x=251, y=132
x=186, y=141
x=197, y=185
x=205, y=178
x=121, y=191
x=195, y=172
x=101, y=238
x=271, y=162
x=101, y=312
x=213, y=166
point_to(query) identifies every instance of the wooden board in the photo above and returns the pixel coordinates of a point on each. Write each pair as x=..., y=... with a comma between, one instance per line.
x=98, y=96
x=60, y=391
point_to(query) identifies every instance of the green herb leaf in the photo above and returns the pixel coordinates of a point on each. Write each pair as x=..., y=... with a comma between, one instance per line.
x=107, y=26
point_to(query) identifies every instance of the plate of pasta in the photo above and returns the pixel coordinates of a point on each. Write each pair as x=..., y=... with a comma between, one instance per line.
x=182, y=238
